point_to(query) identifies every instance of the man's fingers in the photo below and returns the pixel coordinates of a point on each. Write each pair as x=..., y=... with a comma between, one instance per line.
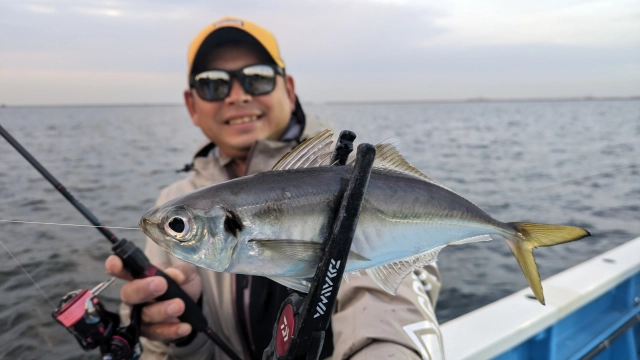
x=114, y=267
x=165, y=331
x=163, y=311
x=143, y=290
x=176, y=274
x=182, y=272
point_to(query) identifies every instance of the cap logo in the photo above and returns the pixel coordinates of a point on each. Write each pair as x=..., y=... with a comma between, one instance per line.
x=228, y=22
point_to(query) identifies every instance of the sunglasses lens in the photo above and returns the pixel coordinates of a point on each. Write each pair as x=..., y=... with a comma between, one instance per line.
x=259, y=79
x=213, y=85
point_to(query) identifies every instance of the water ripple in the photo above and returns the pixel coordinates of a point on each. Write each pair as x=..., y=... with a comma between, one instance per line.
x=514, y=159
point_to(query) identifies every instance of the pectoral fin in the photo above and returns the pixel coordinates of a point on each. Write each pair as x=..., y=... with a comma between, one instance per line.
x=355, y=256
x=287, y=250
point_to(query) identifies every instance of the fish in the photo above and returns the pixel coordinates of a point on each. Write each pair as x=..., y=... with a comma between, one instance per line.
x=275, y=223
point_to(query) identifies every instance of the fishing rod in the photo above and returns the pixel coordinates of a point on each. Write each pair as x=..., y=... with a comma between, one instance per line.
x=303, y=319
x=83, y=315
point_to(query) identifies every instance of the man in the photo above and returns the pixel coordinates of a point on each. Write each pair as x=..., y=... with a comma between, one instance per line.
x=245, y=104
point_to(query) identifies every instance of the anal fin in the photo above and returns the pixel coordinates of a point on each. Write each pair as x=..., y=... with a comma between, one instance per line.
x=389, y=276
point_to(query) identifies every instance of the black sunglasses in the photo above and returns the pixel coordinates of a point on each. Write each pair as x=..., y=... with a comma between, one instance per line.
x=215, y=85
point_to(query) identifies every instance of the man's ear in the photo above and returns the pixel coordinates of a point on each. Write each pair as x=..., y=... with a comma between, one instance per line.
x=291, y=91
x=190, y=103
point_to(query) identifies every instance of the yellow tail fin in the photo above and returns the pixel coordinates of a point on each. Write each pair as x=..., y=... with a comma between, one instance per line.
x=530, y=236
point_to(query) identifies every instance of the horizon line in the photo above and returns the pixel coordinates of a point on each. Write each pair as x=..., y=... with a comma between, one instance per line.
x=360, y=102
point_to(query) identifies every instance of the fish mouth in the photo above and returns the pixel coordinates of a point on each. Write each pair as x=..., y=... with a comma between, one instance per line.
x=150, y=224
x=145, y=225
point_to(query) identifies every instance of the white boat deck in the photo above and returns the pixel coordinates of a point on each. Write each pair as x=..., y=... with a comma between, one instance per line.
x=497, y=327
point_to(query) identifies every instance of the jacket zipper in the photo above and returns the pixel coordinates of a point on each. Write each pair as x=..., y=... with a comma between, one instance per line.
x=234, y=286
x=246, y=292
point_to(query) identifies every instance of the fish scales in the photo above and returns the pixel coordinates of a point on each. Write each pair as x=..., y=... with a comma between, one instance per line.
x=279, y=205
x=275, y=223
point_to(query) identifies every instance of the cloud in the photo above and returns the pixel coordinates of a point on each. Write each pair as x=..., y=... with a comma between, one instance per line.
x=42, y=9
x=99, y=11
x=502, y=22
x=337, y=49
x=350, y=86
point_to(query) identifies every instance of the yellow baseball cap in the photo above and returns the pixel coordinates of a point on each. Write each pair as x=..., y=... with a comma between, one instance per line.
x=230, y=29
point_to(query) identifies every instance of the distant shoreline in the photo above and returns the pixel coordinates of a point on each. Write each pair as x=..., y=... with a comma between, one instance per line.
x=487, y=100
x=363, y=102
x=4, y=106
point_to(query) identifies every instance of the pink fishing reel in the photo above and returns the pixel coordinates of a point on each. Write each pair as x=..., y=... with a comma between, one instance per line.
x=84, y=316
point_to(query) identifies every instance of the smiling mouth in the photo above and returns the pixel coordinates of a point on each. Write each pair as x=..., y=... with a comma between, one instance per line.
x=242, y=120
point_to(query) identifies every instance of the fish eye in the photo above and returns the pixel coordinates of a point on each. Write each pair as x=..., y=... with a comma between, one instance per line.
x=178, y=227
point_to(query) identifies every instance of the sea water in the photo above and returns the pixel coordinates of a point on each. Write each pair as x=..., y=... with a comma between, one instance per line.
x=575, y=163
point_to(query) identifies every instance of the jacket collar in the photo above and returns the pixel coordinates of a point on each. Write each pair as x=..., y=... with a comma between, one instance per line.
x=209, y=165
x=293, y=132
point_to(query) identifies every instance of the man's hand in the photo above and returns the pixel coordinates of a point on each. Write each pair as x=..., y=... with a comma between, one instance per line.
x=159, y=319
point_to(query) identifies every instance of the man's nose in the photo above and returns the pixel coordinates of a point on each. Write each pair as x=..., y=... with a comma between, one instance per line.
x=237, y=94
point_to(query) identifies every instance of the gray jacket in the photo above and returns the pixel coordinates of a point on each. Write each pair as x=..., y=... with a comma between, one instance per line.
x=367, y=323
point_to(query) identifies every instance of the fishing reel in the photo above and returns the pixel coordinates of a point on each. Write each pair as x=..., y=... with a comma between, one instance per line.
x=84, y=316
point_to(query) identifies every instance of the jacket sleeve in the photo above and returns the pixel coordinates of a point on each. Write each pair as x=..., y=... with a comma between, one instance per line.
x=369, y=323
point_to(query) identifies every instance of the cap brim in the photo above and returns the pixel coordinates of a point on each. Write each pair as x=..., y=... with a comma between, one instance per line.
x=222, y=36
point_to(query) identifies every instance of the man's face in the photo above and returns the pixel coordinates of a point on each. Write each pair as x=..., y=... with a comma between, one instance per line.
x=241, y=119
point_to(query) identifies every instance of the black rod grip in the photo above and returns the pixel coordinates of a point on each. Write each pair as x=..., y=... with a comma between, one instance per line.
x=138, y=265
x=133, y=259
x=319, y=303
x=192, y=313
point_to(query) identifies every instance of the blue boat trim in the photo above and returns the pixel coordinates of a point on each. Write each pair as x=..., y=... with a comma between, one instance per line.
x=583, y=330
x=586, y=306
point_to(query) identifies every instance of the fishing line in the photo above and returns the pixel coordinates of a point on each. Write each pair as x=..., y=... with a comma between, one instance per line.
x=134, y=261
x=76, y=225
x=25, y=271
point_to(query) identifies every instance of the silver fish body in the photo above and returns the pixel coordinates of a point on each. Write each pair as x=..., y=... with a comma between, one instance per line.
x=274, y=223
x=400, y=217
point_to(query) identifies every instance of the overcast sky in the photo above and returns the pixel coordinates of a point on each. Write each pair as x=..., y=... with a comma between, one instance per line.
x=95, y=51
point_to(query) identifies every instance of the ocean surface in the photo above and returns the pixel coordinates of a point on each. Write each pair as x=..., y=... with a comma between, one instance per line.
x=574, y=163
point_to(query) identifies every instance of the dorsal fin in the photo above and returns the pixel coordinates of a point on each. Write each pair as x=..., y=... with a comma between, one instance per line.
x=388, y=157
x=312, y=152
